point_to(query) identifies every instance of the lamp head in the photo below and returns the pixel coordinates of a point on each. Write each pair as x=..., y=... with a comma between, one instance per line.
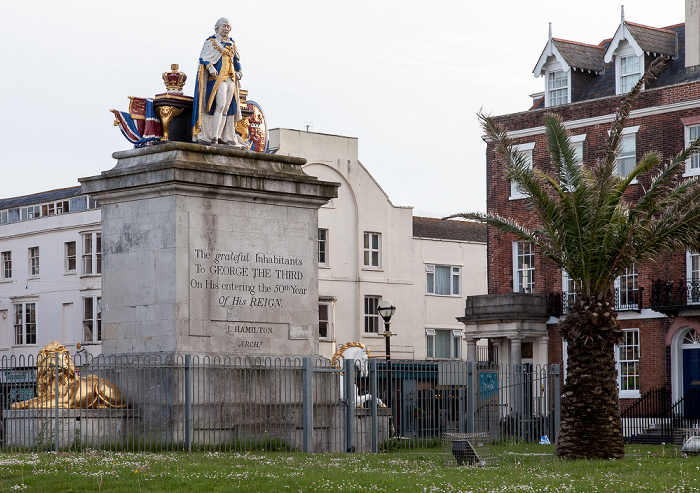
x=386, y=310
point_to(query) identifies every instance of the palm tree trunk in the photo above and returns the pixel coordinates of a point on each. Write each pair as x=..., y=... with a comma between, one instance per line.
x=590, y=412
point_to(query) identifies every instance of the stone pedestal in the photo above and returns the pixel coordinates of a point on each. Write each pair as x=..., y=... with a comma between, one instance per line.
x=43, y=429
x=209, y=250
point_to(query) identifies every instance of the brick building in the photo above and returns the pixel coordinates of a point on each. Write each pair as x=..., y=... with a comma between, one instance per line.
x=658, y=303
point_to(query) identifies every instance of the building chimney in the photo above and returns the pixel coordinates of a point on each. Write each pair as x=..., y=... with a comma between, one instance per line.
x=692, y=33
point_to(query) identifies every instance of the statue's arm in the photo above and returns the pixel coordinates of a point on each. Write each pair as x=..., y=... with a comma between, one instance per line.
x=208, y=57
x=237, y=66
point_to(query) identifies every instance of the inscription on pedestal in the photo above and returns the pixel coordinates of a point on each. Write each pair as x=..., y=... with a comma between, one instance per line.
x=232, y=280
x=256, y=280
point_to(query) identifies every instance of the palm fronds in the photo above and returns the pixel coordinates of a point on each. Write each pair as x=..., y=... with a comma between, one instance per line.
x=583, y=221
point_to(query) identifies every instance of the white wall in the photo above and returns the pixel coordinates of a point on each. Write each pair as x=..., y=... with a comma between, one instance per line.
x=58, y=295
x=363, y=206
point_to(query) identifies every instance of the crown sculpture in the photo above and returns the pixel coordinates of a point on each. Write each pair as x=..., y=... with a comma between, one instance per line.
x=174, y=80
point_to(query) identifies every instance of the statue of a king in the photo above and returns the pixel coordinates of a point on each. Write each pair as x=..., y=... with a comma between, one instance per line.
x=217, y=106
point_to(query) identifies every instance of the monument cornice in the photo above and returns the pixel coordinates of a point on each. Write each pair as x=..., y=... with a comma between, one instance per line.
x=194, y=168
x=207, y=149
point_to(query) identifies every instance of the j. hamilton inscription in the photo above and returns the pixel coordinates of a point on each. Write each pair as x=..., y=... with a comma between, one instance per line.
x=252, y=337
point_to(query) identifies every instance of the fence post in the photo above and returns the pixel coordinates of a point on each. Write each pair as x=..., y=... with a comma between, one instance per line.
x=461, y=397
x=308, y=405
x=375, y=418
x=522, y=394
x=471, y=401
x=557, y=401
x=188, y=402
x=55, y=430
x=349, y=376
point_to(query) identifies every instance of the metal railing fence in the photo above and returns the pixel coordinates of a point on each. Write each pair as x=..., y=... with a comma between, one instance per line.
x=665, y=293
x=624, y=300
x=655, y=417
x=248, y=403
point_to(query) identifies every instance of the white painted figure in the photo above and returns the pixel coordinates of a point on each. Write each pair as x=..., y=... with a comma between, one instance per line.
x=360, y=354
x=217, y=105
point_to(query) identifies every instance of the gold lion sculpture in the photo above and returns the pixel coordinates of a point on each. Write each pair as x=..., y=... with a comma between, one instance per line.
x=242, y=127
x=74, y=392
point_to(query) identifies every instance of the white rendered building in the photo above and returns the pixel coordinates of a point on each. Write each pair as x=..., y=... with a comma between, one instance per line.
x=50, y=266
x=369, y=250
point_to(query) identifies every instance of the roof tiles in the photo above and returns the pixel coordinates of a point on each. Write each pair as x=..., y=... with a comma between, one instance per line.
x=654, y=40
x=581, y=56
x=430, y=227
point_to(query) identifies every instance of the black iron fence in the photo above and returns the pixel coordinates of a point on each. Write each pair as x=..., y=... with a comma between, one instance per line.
x=188, y=402
x=666, y=294
x=655, y=418
x=625, y=300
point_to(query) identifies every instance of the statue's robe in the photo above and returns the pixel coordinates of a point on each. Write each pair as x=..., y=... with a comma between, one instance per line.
x=222, y=54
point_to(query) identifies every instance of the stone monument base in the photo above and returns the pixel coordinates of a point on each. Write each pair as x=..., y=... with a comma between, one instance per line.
x=44, y=429
x=209, y=251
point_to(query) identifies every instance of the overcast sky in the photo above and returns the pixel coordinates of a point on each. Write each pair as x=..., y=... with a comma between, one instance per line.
x=405, y=77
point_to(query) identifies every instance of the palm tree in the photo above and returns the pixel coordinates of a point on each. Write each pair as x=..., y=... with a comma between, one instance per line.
x=587, y=227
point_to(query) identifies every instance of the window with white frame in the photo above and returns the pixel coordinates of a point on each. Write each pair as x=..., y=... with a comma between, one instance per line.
x=627, y=159
x=6, y=267
x=70, y=263
x=443, y=280
x=92, y=319
x=525, y=150
x=92, y=253
x=25, y=323
x=34, y=262
x=372, y=323
x=692, y=165
x=92, y=203
x=324, y=320
x=692, y=266
x=372, y=250
x=523, y=267
x=60, y=207
x=627, y=289
x=630, y=71
x=31, y=212
x=322, y=246
x=627, y=356
x=443, y=343
x=568, y=289
x=557, y=88
x=577, y=145
x=576, y=142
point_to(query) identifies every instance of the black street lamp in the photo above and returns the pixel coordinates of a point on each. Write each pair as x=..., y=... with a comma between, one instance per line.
x=386, y=310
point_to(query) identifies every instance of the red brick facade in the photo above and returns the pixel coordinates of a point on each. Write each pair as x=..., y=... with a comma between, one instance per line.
x=658, y=112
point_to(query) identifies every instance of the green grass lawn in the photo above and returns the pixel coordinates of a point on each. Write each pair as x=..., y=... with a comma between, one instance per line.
x=512, y=468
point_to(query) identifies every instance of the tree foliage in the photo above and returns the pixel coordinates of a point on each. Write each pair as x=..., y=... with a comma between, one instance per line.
x=585, y=223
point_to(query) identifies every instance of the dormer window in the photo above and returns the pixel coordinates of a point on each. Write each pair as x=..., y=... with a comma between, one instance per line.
x=630, y=72
x=628, y=48
x=566, y=65
x=557, y=88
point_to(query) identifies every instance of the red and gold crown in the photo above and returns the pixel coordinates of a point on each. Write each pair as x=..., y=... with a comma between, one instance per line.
x=174, y=80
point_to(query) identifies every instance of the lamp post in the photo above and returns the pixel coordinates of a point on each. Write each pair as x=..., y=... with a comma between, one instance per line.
x=386, y=310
